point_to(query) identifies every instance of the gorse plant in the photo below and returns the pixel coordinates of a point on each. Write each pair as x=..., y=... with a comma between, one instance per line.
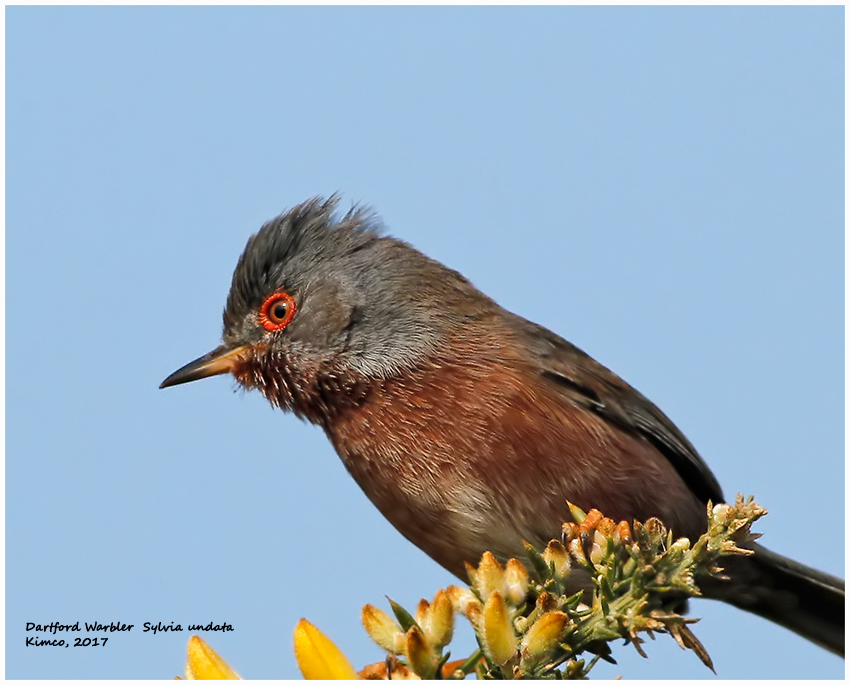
x=528, y=618
x=530, y=625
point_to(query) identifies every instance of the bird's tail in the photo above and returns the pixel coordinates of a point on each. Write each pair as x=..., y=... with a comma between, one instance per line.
x=802, y=599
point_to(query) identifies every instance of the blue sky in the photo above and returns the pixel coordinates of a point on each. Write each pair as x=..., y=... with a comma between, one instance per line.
x=662, y=186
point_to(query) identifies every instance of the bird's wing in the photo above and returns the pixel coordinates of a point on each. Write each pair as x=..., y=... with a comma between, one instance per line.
x=596, y=388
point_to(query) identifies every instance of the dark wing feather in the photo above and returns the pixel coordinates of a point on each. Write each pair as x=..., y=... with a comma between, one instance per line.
x=601, y=391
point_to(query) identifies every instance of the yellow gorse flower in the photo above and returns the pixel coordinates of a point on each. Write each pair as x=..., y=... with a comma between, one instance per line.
x=497, y=631
x=203, y=663
x=383, y=630
x=318, y=657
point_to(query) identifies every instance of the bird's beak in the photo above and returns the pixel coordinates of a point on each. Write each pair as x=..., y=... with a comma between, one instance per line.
x=220, y=360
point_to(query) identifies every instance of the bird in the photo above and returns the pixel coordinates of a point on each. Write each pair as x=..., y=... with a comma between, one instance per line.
x=467, y=425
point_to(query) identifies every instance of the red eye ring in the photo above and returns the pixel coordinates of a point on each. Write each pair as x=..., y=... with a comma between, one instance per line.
x=271, y=316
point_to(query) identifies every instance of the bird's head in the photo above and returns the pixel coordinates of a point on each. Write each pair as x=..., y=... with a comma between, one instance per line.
x=317, y=297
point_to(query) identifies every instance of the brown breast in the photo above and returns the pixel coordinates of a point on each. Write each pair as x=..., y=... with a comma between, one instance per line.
x=475, y=450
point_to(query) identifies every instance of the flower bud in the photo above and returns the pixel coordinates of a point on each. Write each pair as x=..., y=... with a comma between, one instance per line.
x=623, y=533
x=382, y=629
x=596, y=554
x=656, y=531
x=544, y=636
x=422, y=659
x=594, y=516
x=723, y=513
x=497, y=632
x=681, y=546
x=545, y=603
x=577, y=552
x=489, y=577
x=556, y=556
x=437, y=621
x=606, y=527
x=599, y=548
x=204, y=663
x=516, y=582
x=318, y=657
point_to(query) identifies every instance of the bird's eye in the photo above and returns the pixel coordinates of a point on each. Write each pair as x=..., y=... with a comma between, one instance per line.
x=277, y=311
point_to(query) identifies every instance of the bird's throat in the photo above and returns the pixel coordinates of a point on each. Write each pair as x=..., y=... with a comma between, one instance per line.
x=317, y=391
